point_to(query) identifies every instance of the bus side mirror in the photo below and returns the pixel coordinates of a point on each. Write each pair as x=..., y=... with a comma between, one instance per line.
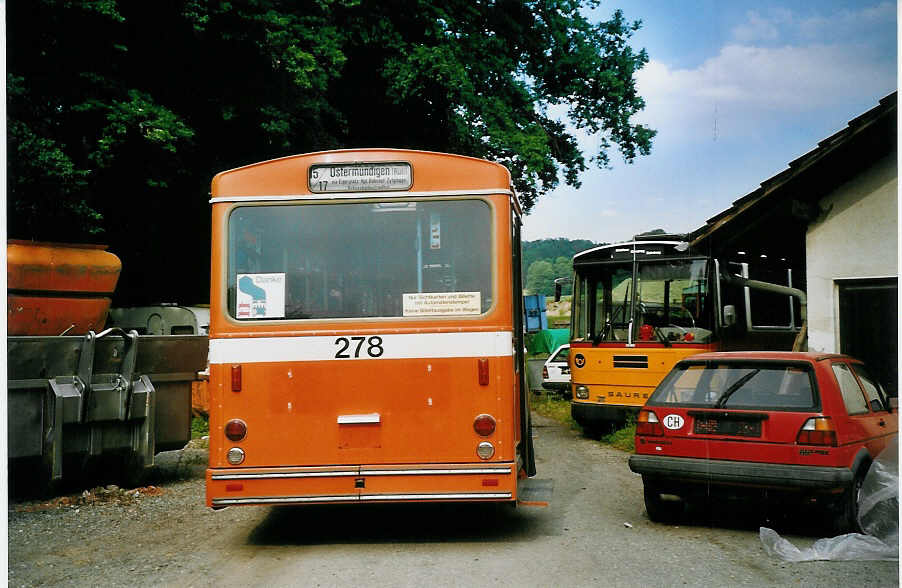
x=729, y=315
x=557, y=292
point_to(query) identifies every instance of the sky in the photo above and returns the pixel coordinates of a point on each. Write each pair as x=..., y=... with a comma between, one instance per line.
x=736, y=90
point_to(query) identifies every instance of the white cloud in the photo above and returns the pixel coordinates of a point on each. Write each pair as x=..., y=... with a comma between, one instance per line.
x=847, y=25
x=744, y=84
x=773, y=69
x=755, y=28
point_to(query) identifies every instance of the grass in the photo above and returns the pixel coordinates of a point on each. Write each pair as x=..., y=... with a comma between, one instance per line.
x=199, y=427
x=554, y=407
x=623, y=438
x=557, y=408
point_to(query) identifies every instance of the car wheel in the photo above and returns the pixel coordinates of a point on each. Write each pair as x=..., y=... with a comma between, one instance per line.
x=660, y=509
x=846, y=520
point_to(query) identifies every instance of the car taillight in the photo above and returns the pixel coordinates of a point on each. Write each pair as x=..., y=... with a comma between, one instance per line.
x=484, y=425
x=544, y=372
x=817, y=431
x=647, y=424
x=235, y=430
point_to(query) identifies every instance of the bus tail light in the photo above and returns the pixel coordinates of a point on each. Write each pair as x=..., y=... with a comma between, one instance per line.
x=235, y=456
x=236, y=378
x=485, y=450
x=817, y=431
x=483, y=371
x=484, y=425
x=581, y=392
x=647, y=424
x=235, y=430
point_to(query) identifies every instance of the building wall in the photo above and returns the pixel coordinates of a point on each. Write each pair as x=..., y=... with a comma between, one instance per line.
x=856, y=238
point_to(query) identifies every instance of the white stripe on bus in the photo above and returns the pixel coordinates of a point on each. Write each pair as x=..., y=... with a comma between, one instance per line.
x=351, y=347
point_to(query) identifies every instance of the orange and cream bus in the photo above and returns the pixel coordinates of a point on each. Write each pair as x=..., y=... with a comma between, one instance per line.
x=365, y=332
x=639, y=307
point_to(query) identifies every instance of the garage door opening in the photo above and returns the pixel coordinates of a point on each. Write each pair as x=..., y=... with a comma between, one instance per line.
x=868, y=326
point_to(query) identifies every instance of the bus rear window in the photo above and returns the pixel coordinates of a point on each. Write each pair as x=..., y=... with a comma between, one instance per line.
x=354, y=260
x=752, y=385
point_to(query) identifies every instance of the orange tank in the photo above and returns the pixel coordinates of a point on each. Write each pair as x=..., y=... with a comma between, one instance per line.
x=56, y=288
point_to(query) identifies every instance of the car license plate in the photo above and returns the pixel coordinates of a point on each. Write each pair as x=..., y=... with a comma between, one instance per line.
x=733, y=427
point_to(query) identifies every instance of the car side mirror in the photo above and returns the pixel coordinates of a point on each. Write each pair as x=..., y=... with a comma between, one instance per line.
x=729, y=315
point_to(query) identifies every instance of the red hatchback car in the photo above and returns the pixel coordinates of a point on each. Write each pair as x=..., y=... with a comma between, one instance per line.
x=804, y=424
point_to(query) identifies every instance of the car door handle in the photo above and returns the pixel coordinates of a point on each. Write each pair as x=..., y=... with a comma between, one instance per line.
x=882, y=423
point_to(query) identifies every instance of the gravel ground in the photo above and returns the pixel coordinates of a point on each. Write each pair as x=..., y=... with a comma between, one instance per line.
x=595, y=533
x=110, y=536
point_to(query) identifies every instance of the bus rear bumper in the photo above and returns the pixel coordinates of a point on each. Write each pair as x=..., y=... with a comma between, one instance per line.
x=495, y=482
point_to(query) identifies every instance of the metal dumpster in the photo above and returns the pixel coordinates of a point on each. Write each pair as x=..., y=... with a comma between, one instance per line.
x=112, y=392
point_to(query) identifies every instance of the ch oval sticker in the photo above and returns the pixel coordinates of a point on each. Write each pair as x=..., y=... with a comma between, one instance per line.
x=673, y=422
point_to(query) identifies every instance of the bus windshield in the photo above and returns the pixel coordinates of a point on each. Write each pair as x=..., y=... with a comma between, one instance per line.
x=361, y=259
x=664, y=301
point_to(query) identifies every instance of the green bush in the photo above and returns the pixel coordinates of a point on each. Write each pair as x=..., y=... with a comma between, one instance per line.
x=199, y=427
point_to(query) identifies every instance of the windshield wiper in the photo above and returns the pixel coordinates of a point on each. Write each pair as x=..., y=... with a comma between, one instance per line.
x=600, y=336
x=734, y=387
x=662, y=337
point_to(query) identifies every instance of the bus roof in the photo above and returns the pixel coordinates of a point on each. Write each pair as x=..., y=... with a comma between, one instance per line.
x=608, y=252
x=430, y=172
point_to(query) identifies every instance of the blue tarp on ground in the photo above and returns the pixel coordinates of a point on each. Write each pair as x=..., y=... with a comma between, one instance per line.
x=547, y=340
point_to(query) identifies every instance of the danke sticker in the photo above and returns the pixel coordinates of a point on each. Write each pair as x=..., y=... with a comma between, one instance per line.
x=261, y=296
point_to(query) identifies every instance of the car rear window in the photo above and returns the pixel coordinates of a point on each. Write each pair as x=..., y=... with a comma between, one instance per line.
x=748, y=385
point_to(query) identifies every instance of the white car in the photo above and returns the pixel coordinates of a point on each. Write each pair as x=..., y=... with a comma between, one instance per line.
x=556, y=371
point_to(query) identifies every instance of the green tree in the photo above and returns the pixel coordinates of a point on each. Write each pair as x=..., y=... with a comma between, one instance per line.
x=551, y=249
x=119, y=113
x=563, y=268
x=540, y=278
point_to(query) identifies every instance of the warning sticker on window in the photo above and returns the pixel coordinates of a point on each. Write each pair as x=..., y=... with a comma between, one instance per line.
x=261, y=296
x=441, y=303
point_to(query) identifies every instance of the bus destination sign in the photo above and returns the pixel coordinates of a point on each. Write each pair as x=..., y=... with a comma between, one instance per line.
x=360, y=177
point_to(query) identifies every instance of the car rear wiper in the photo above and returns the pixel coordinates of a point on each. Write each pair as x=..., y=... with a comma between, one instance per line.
x=734, y=387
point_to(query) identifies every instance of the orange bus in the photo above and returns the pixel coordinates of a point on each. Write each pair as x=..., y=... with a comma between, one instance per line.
x=365, y=332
